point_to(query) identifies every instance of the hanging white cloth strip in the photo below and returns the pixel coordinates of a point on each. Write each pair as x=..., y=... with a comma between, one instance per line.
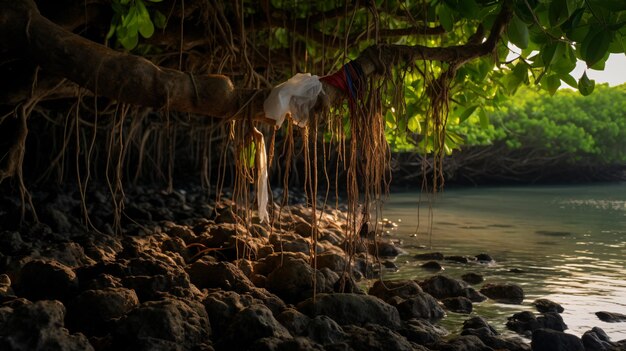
x=296, y=96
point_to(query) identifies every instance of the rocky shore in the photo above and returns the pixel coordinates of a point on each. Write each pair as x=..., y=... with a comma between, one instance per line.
x=186, y=273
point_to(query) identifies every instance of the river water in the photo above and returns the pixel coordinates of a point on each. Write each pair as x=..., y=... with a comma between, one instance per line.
x=568, y=241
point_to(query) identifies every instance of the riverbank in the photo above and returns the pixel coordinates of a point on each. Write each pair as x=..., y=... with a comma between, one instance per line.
x=185, y=273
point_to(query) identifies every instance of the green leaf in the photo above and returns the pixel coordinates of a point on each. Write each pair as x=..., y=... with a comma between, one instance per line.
x=552, y=52
x=557, y=12
x=446, y=18
x=569, y=80
x=467, y=113
x=484, y=119
x=160, y=20
x=413, y=124
x=595, y=46
x=566, y=63
x=552, y=84
x=518, y=33
x=585, y=85
x=155, y=0
x=129, y=41
x=572, y=6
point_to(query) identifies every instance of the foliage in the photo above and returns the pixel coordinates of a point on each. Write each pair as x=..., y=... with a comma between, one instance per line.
x=592, y=127
x=131, y=18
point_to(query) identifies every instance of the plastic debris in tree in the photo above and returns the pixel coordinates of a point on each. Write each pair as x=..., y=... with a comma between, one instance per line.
x=297, y=96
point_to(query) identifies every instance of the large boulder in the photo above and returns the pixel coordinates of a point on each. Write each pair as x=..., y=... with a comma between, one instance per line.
x=250, y=324
x=505, y=293
x=458, y=304
x=597, y=340
x=38, y=326
x=296, y=280
x=93, y=311
x=441, y=287
x=552, y=340
x=372, y=337
x=388, y=289
x=352, y=309
x=422, y=332
x=166, y=324
x=477, y=326
x=611, y=317
x=526, y=322
x=420, y=306
x=223, y=275
x=46, y=280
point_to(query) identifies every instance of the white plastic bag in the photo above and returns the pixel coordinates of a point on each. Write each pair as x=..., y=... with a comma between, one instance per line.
x=297, y=96
x=261, y=185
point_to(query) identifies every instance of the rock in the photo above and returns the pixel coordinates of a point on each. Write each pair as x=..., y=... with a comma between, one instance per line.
x=440, y=287
x=223, y=275
x=92, y=311
x=552, y=340
x=67, y=253
x=251, y=323
x=484, y=258
x=473, y=278
x=611, y=317
x=459, y=259
x=324, y=330
x=438, y=256
x=46, y=280
x=526, y=322
x=352, y=309
x=432, y=266
x=333, y=261
x=422, y=331
x=290, y=242
x=347, y=284
x=545, y=305
x=420, y=305
x=293, y=281
x=390, y=288
x=384, y=249
x=11, y=243
x=39, y=326
x=279, y=344
x=169, y=324
x=372, y=337
x=458, y=304
x=478, y=323
x=295, y=321
x=222, y=306
x=504, y=293
x=463, y=343
x=597, y=340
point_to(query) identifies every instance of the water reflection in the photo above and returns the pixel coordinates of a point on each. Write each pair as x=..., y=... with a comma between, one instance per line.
x=566, y=244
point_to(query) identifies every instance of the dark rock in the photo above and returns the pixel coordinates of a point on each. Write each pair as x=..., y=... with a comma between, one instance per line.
x=295, y=321
x=432, y=266
x=552, y=340
x=333, y=261
x=545, y=305
x=372, y=337
x=390, y=288
x=347, y=284
x=420, y=306
x=422, y=331
x=293, y=281
x=473, y=278
x=459, y=259
x=251, y=323
x=46, y=280
x=505, y=293
x=282, y=344
x=458, y=304
x=473, y=295
x=429, y=256
x=11, y=243
x=384, y=249
x=463, y=343
x=352, y=309
x=597, y=340
x=611, y=317
x=222, y=306
x=526, y=322
x=390, y=266
x=516, y=270
x=39, y=326
x=479, y=323
x=484, y=258
x=440, y=287
x=324, y=330
x=169, y=324
x=223, y=275
x=92, y=310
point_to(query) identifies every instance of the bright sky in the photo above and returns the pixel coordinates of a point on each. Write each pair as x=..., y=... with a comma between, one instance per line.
x=614, y=72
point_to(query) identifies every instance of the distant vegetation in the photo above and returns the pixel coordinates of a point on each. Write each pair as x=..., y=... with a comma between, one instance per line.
x=535, y=137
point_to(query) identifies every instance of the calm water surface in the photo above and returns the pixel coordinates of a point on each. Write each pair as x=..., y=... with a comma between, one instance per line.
x=569, y=241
